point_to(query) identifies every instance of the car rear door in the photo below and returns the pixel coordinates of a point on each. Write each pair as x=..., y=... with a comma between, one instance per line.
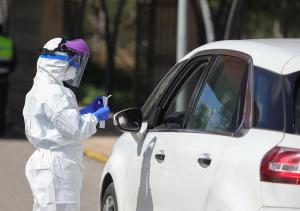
x=183, y=167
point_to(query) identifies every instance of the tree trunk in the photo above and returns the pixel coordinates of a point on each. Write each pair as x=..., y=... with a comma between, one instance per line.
x=111, y=35
x=233, y=19
x=208, y=23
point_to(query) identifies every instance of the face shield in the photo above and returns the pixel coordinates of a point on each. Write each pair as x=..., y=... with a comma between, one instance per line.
x=78, y=56
x=77, y=63
x=75, y=52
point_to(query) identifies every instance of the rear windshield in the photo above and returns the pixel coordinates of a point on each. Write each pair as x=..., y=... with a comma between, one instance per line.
x=292, y=101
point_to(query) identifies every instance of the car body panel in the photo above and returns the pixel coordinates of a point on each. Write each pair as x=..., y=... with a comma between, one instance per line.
x=279, y=51
x=184, y=175
x=283, y=195
x=280, y=195
x=140, y=174
x=292, y=65
x=278, y=209
x=237, y=185
x=117, y=166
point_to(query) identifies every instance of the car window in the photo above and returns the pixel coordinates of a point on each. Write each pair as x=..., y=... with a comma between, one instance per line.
x=175, y=110
x=220, y=98
x=154, y=98
x=297, y=108
x=267, y=100
x=292, y=102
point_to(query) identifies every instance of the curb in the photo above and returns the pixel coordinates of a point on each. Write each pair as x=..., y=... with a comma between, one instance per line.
x=95, y=155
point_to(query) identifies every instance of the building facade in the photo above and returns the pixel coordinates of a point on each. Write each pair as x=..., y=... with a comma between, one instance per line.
x=30, y=24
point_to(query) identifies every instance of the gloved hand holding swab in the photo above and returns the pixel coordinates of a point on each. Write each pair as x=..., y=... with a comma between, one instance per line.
x=105, y=102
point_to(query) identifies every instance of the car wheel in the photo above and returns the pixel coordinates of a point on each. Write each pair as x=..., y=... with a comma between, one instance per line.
x=109, y=200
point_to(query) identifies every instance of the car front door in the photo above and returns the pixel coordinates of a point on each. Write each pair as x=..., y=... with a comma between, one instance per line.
x=189, y=142
x=147, y=171
x=138, y=190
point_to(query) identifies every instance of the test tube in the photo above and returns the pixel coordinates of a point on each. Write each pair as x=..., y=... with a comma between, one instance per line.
x=105, y=102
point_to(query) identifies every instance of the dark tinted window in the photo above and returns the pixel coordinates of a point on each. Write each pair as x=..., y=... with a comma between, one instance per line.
x=297, y=107
x=292, y=102
x=268, y=101
x=221, y=97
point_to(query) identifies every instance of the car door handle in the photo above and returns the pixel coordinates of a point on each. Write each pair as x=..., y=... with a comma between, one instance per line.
x=204, y=160
x=160, y=156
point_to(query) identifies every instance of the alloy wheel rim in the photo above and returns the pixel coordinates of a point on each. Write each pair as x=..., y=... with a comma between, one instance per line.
x=109, y=204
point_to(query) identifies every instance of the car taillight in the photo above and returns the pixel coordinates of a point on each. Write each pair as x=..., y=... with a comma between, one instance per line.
x=281, y=165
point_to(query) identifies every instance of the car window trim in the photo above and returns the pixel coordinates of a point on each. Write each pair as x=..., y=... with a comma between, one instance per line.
x=177, y=67
x=184, y=130
x=243, y=127
x=183, y=78
x=198, y=90
x=182, y=74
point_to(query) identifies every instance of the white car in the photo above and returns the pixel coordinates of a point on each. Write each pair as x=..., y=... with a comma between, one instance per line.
x=219, y=133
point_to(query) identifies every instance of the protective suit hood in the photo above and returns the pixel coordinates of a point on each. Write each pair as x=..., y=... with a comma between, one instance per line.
x=53, y=70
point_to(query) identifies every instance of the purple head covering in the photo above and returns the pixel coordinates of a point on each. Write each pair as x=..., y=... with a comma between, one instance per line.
x=78, y=45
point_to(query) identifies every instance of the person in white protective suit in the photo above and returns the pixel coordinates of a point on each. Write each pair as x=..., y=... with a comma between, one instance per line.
x=56, y=127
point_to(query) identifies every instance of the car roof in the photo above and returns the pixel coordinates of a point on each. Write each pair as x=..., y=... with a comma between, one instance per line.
x=271, y=54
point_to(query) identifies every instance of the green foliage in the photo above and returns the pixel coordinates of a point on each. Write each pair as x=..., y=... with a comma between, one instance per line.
x=94, y=82
x=120, y=99
x=94, y=22
x=90, y=92
x=258, y=19
x=271, y=18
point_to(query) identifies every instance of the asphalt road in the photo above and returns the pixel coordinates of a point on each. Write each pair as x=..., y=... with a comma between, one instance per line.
x=15, y=193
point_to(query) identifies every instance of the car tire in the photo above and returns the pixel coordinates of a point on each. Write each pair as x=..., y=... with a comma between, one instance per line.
x=109, y=200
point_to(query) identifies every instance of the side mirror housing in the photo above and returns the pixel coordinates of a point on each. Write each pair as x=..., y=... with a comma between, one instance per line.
x=128, y=120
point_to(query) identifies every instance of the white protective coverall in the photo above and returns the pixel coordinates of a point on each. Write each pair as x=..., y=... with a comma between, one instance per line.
x=55, y=127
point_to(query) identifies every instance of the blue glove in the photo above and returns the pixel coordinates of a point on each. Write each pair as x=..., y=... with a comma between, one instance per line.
x=102, y=113
x=93, y=106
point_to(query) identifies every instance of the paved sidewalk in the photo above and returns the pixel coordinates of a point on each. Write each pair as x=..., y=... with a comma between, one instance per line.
x=99, y=147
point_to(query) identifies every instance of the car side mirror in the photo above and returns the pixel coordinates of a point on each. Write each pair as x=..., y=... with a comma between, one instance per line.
x=128, y=120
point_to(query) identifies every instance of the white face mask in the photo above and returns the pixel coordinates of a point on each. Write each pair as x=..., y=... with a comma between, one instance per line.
x=70, y=73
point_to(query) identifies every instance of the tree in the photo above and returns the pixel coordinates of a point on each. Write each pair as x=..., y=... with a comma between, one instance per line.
x=4, y=10
x=208, y=23
x=233, y=20
x=220, y=18
x=74, y=12
x=112, y=20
